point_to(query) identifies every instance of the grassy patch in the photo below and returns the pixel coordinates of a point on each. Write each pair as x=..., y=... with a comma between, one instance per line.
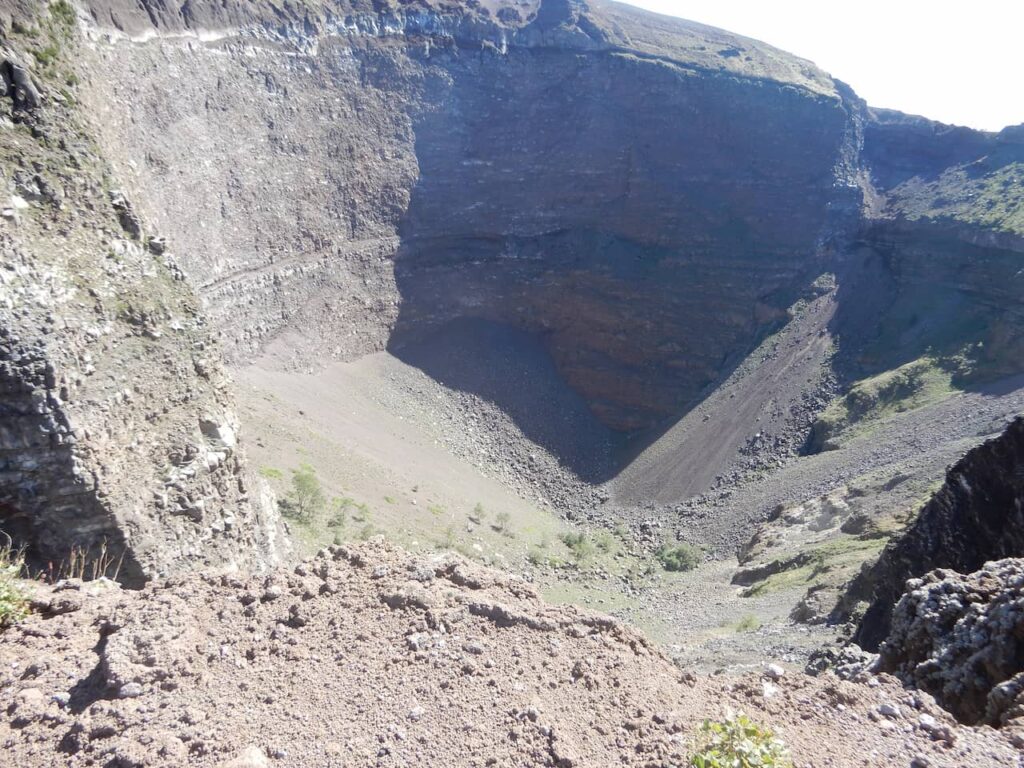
x=989, y=196
x=831, y=563
x=919, y=383
x=748, y=623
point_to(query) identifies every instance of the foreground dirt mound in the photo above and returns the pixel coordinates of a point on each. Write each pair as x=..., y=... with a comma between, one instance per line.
x=369, y=656
x=961, y=638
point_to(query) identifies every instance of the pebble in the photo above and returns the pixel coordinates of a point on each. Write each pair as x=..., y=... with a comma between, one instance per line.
x=129, y=691
x=273, y=592
x=250, y=757
x=774, y=672
x=889, y=710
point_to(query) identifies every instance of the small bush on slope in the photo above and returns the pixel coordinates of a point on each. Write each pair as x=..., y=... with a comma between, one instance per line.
x=738, y=742
x=305, y=501
x=580, y=547
x=683, y=557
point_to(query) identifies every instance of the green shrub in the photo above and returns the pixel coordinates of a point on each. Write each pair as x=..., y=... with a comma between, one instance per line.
x=13, y=600
x=338, y=514
x=271, y=473
x=580, y=547
x=604, y=541
x=448, y=539
x=738, y=742
x=478, y=515
x=682, y=557
x=305, y=501
x=367, y=532
x=47, y=55
x=538, y=557
x=748, y=623
x=63, y=12
x=362, y=513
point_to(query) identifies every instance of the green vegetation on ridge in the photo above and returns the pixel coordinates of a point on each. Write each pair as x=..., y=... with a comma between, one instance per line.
x=922, y=382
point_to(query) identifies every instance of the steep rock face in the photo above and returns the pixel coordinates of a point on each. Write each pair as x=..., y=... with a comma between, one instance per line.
x=960, y=639
x=646, y=196
x=117, y=428
x=612, y=206
x=977, y=516
x=600, y=177
x=942, y=244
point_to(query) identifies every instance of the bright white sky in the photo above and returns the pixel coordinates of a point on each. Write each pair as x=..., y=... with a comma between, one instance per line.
x=958, y=61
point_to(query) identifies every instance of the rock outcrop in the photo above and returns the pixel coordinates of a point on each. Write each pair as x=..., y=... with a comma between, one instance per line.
x=961, y=639
x=116, y=426
x=977, y=516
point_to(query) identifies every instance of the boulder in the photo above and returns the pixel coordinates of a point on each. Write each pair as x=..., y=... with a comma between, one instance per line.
x=961, y=639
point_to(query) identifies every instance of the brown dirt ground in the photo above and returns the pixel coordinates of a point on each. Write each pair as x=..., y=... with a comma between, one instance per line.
x=368, y=655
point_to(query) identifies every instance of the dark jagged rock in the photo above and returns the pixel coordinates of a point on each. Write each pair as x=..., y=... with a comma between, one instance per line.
x=977, y=516
x=18, y=85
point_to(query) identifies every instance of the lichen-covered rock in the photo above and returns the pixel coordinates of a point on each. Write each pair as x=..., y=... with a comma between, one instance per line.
x=961, y=639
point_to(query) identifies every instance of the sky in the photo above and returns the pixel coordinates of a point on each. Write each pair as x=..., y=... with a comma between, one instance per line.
x=957, y=61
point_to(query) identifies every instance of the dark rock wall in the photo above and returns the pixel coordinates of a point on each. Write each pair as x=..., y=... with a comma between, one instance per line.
x=977, y=516
x=643, y=194
x=46, y=501
x=116, y=424
x=614, y=206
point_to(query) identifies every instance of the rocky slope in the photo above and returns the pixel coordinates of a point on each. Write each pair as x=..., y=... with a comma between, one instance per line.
x=637, y=255
x=670, y=218
x=367, y=656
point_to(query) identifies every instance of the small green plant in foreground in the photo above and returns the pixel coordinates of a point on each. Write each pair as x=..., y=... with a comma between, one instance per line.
x=739, y=742
x=682, y=557
x=13, y=600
